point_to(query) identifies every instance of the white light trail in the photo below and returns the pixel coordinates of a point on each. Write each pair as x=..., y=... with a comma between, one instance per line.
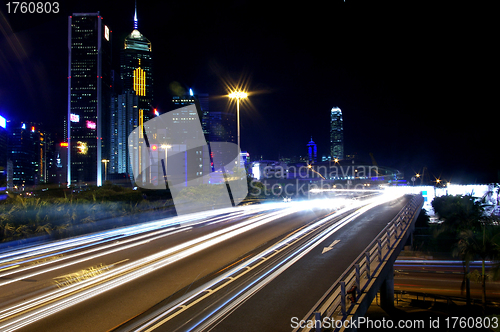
x=32, y=254
x=59, y=299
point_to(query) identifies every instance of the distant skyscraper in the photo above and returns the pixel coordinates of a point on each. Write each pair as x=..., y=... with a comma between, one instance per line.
x=222, y=127
x=312, y=152
x=336, y=134
x=205, y=110
x=89, y=97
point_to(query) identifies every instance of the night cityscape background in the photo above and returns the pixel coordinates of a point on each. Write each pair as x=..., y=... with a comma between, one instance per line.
x=366, y=186
x=412, y=80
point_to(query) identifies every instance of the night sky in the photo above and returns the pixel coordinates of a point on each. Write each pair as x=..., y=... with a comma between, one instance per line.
x=415, y=80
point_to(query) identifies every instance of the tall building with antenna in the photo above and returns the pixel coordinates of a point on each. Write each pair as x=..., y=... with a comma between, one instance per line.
x=133, y=104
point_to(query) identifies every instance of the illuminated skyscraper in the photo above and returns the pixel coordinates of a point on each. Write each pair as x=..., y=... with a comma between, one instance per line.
x=336, y=134
x=312, y=152
x=89, y=97
x=133, y=105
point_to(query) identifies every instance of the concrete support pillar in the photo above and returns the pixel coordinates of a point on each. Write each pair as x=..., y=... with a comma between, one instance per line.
x=387, y=292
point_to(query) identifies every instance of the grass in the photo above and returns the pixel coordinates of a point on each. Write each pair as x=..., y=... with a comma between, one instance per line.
x=64, y=213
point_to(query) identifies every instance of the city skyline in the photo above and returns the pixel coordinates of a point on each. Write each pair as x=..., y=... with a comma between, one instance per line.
x=401, y=95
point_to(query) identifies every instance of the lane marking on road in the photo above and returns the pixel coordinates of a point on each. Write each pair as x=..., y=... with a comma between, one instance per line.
x=330, y=247
x=10, y=267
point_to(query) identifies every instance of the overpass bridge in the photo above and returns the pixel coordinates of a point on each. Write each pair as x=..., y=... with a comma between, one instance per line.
x=372, y=271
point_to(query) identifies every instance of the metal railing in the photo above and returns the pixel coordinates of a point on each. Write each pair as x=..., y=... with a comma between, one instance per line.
x=357, y=278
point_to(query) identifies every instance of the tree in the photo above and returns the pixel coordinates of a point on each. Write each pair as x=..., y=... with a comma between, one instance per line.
x=459, y=212
x=462, y=216
x=483, y=244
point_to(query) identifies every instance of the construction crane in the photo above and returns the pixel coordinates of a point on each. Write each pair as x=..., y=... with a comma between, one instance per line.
x=374, y=162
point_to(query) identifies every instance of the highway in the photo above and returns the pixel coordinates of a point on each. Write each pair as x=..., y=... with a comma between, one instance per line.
x=441, y=278
x=124, y=277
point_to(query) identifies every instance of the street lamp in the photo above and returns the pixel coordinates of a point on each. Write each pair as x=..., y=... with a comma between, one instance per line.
x=166, y=147
x=238, y=95
x=105, y=161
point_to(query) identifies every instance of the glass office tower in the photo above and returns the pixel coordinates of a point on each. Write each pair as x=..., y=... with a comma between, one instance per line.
x=89, y=98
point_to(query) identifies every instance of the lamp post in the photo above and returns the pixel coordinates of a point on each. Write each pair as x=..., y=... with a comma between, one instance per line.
x=238, y=95
x=105, y=161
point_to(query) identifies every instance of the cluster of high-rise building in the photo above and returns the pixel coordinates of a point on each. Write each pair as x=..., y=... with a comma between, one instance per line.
x=104, y=106
x=28, y=155
x=336, y=140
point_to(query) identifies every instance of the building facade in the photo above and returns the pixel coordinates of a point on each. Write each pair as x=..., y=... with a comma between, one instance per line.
x=336, y=134
x=89, y=98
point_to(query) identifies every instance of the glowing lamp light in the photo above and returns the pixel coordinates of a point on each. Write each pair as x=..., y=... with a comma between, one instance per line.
x=238, y=94
x=64, y=144
x=3, y=122
x=156, y=112
x=154, y=147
